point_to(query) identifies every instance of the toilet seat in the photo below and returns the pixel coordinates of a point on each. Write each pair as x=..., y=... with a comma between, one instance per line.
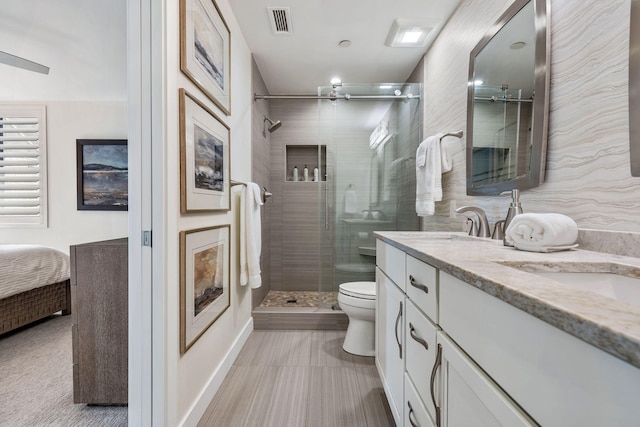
x=362, y=290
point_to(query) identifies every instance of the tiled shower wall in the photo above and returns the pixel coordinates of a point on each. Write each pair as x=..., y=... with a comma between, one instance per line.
x=588, y=175
x=295, y=250
x=260, y=172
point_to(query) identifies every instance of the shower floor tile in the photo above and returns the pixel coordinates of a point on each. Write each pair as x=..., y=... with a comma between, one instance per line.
x=298, y=299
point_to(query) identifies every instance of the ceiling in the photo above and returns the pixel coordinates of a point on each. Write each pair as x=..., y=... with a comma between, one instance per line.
x=309, y=57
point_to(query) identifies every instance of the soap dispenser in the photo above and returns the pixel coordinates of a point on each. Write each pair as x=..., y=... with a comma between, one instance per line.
x=514, y=209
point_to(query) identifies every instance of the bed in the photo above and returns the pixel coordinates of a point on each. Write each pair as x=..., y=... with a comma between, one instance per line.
x=34, y=283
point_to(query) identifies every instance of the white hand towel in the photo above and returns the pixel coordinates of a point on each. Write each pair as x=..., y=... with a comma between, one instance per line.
x=541, y=232
x=429, y=175
x=250, y=236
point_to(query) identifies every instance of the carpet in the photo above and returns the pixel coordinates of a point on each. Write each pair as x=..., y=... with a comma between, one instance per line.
x=36, y=380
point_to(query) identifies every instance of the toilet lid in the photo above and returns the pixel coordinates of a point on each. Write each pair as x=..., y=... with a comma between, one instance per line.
x=366, y=290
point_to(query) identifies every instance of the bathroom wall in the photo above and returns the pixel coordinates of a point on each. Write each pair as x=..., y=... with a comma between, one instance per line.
x=588, y=175
x=261, y=174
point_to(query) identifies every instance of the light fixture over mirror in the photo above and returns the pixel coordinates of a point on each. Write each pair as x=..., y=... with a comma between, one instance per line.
x=508, y=102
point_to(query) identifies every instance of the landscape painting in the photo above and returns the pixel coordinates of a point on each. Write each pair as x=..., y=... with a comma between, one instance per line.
x=207, y=277
x=205, y=50
x=102, y=174
x=208, y=46
x=208, y=160
x=204, y=280
x=204, y=158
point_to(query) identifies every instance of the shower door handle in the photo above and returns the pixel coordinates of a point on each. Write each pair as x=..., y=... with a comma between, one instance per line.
x=326, y=204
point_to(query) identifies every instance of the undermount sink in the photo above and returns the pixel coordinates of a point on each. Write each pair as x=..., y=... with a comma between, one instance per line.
x=611, y=285
x=446, y=235
x=619, y=282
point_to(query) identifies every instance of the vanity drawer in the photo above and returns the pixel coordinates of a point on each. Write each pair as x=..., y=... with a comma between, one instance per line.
x=421, y=348
x=391, y=261
x=422, y=287
x=415, y=413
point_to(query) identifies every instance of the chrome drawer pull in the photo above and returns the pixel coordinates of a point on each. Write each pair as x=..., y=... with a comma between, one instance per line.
x=436, y=365
x=412, y=280
x=413, y=423
x=396, y=330
x=412, y=332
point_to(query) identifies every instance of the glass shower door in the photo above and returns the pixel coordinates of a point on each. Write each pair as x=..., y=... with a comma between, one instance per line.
x=368, y=182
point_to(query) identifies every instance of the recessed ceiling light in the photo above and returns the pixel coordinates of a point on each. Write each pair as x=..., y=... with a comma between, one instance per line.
x=344, y=43
x=409, y=33
x=411, y=37
x=517, y=45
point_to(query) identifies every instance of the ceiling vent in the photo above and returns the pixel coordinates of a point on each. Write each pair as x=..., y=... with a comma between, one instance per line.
x=280, y=19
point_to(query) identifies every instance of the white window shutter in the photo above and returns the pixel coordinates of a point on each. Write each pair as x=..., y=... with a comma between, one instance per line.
x=23, y=166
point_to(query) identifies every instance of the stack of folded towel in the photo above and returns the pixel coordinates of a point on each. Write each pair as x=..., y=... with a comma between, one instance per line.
x=546, y=232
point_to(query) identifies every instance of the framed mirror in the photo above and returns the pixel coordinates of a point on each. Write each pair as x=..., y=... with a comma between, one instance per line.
x=508, y=102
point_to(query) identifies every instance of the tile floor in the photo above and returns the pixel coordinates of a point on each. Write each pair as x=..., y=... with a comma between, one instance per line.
x=296, y=379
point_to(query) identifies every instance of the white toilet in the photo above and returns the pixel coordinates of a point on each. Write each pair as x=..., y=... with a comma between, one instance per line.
x=358, y=301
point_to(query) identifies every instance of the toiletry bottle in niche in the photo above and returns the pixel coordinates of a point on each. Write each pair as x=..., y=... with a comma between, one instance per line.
x=305, y=173
x=295, y=173
x=316, y=174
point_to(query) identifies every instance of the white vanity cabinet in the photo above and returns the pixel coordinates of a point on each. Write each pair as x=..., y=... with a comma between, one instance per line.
x=468, y=397
x=390, y=308
x=406, y=334
x=557, y=378
x=428, y=379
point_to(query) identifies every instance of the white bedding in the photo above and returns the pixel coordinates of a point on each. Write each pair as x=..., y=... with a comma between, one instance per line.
x=25, y=267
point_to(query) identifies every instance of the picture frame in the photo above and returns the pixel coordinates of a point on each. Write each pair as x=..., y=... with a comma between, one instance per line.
x=204, y=158
x=204, y=280
x=102, y=174
x=205, y=50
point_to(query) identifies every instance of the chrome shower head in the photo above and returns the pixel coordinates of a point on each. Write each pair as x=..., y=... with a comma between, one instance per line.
x=272, y=125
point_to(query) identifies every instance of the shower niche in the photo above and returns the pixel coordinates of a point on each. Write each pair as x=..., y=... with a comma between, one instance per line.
x=297, y=156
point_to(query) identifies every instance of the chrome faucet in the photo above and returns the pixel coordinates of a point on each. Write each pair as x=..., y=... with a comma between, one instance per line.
x=483, y=224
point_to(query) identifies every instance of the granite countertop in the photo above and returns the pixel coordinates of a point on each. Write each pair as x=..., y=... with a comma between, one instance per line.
x=610, y=325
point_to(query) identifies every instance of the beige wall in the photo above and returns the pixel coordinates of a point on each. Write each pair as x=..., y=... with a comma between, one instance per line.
x=193, y=378
x=588, y=174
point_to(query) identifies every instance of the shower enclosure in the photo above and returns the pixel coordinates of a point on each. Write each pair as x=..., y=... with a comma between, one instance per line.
x=357, y=143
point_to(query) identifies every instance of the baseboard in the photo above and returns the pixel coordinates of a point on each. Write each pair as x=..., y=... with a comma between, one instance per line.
x=198, y=409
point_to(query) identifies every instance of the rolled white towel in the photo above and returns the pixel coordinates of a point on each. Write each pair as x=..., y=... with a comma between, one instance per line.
x=541, y=232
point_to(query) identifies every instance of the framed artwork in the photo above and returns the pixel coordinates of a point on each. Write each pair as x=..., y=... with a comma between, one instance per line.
x=204, y=158
x=205, y=45
x=102, y=174
x=204, y=281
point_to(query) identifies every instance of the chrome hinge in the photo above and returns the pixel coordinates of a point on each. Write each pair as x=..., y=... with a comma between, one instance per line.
x=146, y=238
